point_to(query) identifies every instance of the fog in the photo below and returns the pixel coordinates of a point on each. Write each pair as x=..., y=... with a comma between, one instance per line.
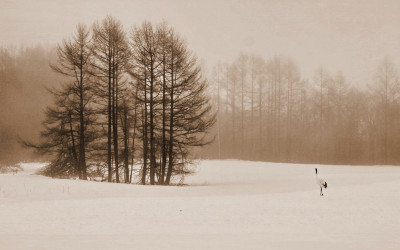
x=334, y=51
x=350, y=36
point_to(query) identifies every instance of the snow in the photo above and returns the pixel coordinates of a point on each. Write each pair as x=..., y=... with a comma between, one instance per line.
x=227, y=204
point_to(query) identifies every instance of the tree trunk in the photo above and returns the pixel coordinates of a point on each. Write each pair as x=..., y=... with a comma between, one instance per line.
x=134, y=133
x=115, y=118
x=109, y=160
x=289, y=117
x=164, y=152
x=145, y=143
x=320, y=118
x=74, y=154
x=152, y=147
x=82, y=151
x=126, y=143
x=171, y=124
x=279, y=112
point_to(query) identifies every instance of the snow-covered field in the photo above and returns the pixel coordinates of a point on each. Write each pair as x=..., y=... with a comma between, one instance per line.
x=227, y=205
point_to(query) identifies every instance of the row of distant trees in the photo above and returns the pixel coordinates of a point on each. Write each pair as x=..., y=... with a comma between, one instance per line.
x=23, y=73
x=125, y=100
x=267, y=112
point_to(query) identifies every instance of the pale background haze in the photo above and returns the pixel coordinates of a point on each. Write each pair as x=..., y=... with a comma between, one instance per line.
x=351, y=36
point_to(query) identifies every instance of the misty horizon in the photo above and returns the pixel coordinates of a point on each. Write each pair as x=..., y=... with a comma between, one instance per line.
x=337, y=36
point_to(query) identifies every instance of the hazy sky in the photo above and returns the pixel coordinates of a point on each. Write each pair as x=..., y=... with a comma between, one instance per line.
x=352, y=36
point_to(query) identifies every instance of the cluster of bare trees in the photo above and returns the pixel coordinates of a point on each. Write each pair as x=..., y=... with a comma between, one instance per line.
x=126, y=99
x=266, y=111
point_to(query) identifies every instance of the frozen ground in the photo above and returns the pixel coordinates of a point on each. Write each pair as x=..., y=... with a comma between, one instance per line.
x=227, y=205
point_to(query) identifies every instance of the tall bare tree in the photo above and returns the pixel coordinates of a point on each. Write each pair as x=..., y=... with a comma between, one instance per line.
x=111, y=52
x=146, y=53
x=387, y=91
x=74, y=62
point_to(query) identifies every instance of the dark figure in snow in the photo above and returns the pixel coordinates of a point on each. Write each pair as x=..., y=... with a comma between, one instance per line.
x=320, y=182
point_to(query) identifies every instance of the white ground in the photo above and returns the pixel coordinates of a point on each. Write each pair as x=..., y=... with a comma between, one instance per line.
x=227, y=205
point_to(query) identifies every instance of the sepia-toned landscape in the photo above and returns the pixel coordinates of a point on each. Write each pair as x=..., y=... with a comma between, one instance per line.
x=199, y=124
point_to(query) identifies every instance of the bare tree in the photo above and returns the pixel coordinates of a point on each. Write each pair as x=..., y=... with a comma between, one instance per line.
x=74, y=62
x=387, y=90
x=146, y=56
x=58, y=138
x=191, y=115
x=111, y=53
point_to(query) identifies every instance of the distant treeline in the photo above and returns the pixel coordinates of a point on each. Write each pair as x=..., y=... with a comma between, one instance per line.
x=24, y=72
x=267, y=112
